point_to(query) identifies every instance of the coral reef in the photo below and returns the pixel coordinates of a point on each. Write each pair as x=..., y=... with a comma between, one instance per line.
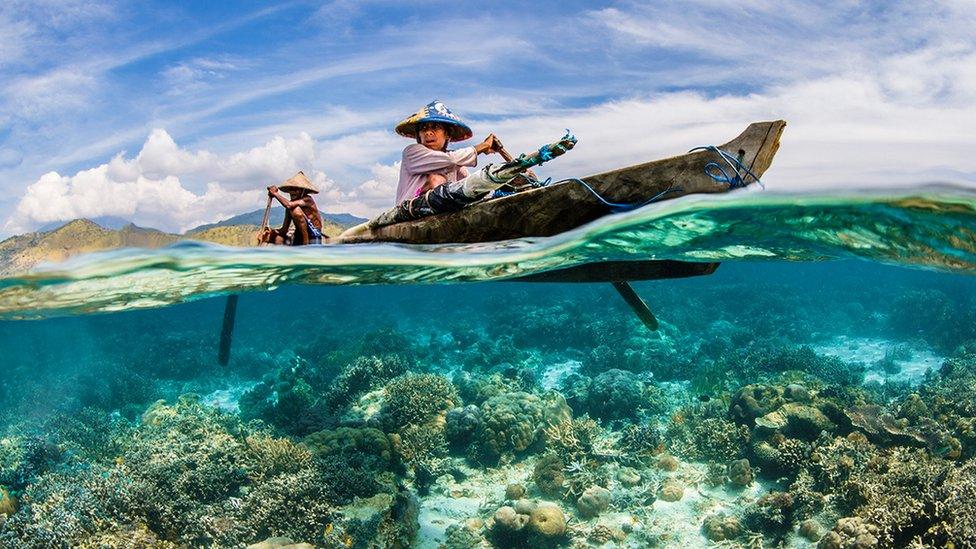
x=615, y=394
x=542, y=524
x=551, y=423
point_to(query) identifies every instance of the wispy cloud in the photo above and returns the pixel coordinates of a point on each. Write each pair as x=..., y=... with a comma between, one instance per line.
x=874, y=92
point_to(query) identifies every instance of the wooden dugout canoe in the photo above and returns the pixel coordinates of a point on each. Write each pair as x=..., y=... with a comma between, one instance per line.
x=560, y=207
x=557, y=208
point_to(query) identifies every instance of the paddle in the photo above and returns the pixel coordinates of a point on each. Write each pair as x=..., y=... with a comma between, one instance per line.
x=264, y=223
x=500, y=149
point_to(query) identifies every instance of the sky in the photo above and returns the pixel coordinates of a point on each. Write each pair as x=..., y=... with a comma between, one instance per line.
x=174, y=115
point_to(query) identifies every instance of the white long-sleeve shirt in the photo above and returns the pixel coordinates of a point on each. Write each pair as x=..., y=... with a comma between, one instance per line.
x=419, y=161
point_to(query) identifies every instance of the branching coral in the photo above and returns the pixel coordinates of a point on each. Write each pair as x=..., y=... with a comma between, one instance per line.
x=352, y=460
x=772, y=514
x=764, y=360
x=271, y=456
x=642, y=441
x=461, y=425
x=293, y=504
x=706, y=438
x=291, y=400
x=66, y=508
x=365, y=374
x=573, y=439
x=190, y=475
x=415, y=399
x=424, y=450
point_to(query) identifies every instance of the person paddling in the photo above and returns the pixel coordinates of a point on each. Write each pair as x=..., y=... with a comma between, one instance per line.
x=300, y=209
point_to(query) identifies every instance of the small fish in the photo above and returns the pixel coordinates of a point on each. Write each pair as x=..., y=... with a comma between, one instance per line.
x=704, y=398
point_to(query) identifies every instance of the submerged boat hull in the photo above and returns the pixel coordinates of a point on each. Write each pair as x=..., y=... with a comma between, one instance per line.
x=557, y=208
x=622, y=271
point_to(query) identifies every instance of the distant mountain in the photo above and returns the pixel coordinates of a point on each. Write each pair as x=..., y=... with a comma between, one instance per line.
x=343, y=220
x=19, y=253
x=104, y=221
x=22, y=252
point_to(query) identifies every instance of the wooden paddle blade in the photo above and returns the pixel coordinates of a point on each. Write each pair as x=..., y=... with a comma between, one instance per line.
x=227, y=330
x=260, y=236
x=636, y=304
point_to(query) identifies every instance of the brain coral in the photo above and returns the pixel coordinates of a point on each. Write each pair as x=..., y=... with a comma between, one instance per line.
x=351, y=441
x=615, y=394
x=510, y=423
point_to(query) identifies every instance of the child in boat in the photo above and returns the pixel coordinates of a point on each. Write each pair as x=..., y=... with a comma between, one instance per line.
x=427, y=163
x=433, y=180
x=300, y=209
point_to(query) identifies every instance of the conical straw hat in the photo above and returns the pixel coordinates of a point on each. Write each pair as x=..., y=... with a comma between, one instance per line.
x=435, y=111
x=298, y=181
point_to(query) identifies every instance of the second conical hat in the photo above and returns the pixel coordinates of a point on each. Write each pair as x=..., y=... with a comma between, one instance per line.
x=298, y=181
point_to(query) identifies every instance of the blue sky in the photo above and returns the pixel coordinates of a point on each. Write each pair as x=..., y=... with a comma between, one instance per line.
x=174, y=115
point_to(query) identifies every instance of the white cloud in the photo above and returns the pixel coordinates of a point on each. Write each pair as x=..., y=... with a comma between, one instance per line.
x=376, y=193
x=842, y=131
x=357, y=152
x=154, y=188
x=48, y=94
x=160, y=156
x=196, y=74
x=160, y=203
x=14, y=35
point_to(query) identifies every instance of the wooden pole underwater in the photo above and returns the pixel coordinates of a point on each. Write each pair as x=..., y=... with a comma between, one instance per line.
x=637, y=304
x=227, y=329
x=624, y=288
x=230, y=306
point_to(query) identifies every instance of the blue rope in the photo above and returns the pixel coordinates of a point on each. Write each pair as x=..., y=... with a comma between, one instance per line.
x=722, y=176
x=615, y=207
x=618, y=207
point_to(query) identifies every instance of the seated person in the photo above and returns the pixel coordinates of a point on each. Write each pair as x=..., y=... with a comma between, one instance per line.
x=427, y=163
x=434, y=180
x=300, y=209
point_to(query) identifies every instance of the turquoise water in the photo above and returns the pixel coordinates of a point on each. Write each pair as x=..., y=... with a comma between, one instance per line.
x=817, y=388
x=931, y=228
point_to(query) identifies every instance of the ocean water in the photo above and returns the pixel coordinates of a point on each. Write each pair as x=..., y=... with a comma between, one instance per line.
x=817, y=390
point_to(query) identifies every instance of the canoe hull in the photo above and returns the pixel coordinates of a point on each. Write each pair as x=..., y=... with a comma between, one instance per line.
x=622, y=271
x=561, y=207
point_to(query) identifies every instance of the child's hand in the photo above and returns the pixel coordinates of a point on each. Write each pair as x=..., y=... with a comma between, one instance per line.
x=272, y=189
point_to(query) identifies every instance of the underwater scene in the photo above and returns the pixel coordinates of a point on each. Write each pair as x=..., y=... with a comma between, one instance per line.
x=817, y=390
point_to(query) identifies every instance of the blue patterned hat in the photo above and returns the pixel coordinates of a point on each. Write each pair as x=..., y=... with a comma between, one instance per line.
x=435, y=111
